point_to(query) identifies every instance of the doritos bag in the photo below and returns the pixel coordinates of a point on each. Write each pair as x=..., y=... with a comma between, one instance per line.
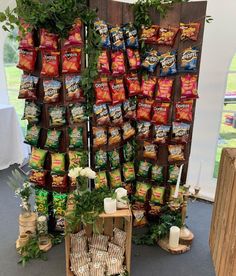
x=27, y=59
x=50, y=64
x=71, y=61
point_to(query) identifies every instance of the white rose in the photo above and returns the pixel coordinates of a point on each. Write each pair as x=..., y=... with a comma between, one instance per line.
x=83, y=172
x=90, y=173
x=73, y=173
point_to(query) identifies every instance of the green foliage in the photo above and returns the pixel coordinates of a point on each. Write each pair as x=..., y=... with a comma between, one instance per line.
x=89, y=205
x=31, y=251
x=160, y=229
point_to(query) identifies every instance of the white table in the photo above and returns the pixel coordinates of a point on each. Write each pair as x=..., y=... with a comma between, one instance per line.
x=12, y=148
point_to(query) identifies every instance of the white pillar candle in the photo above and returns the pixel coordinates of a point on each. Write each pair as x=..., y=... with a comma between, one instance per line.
x=121, y=194
x=174, y=237
x=178, y=182
x=109, y=205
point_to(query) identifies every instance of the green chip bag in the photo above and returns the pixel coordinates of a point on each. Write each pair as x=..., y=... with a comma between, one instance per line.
x=58, y=162
x=100, y=160
x=157, y=173
x=115, y=178
x=31, y=112
x=32, y=135
x=101, y=180
x=114, y=159
x=141, y=191
x=57, y=116
x=37, y=158
x=157, y=195
x=180, y=193
x=173, y=174
x=41, y=202
x=128, y=152
x=52, y=141
x=77, y=159
x=76, y=137
x=77, y=113
x=59, y=203
x=144, y=168
x=128, y=171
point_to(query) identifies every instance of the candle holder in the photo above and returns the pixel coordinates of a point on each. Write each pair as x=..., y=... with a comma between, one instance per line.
x=186, y=236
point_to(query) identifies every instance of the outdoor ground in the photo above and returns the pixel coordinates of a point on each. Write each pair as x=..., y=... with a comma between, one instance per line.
x=227, y=136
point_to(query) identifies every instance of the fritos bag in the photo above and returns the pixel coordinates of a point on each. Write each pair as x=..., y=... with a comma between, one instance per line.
x=149, y=34
x=167, y=36
x=50, y=64
x=189, y=31
x=71, y=61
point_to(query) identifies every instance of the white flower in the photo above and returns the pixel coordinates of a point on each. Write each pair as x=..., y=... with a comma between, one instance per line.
x=88, y=172
x=26, y=185
x=17, y=191
x=75, y=172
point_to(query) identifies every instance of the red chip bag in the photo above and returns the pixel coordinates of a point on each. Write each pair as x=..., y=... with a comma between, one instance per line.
x=133, y=84
x=117, y=63
x=160, y=113
x=74, y=38
x=144, y=110
x=102, y=91
x=48, y=41
x=148, y=86
x=117, y=90
x=164, y=90
x=150, y=34
x=167, y=36
x=26, y=37
x=103, y=63
x=188, y=87
x=133, y=59
x=183, y=111
x=189, y=31
x=50, y=64
x=71, y=61
x=27, y=59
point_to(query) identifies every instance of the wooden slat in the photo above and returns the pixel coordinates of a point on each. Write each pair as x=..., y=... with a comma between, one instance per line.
x=222, y=236
x=128, y=230
x=118, y=213
x=108, y=227
x=118, y=222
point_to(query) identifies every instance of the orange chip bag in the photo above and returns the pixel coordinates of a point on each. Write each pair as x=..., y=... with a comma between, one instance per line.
x=99, y=136
x=26, y=38
x=133, y=84
x=150, y=34
x=149, y=150
x=74, y=38
x=189, y=31
x=160, y=113
x=50, y=64
x=117, y=63
x=189, y=87
x=27, y=59
x=144, y=110
x=148, y=86
x=71, y=61
x=176, y=153
x=102, y=91
x=103, y=63
x=183, y=111
x=167, y=36
x=164, y=90
x=48, y=41
x=133, y=59
x=117, y=90
x=114, y=136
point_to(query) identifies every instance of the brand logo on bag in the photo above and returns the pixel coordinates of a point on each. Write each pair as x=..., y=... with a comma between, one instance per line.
x=189, y=55
x=168, y=61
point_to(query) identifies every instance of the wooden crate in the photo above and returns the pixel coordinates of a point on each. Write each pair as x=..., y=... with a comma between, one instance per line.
x=122, y=219
x=222, y=234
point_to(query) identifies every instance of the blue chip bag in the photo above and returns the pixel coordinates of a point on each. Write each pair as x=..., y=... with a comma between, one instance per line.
x=131, y=36
x=168, y=64
x=189, y=59
x=117, y=38
x=151, y=60
x=102, y=28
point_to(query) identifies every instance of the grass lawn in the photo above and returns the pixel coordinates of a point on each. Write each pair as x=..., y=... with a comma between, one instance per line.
x=227, y=133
